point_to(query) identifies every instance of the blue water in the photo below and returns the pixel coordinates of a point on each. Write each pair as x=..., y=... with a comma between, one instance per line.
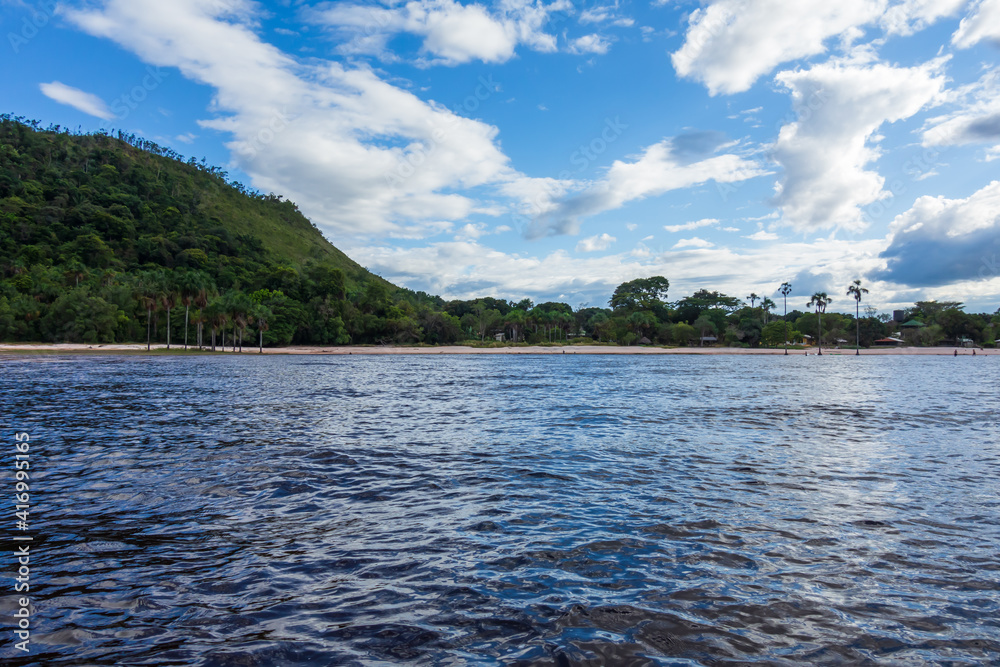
x=490, y=510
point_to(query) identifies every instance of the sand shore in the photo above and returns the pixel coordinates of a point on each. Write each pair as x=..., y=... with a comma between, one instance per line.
x=135, y=348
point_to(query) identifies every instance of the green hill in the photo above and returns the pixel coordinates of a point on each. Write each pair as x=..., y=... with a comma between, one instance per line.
x=103, y=236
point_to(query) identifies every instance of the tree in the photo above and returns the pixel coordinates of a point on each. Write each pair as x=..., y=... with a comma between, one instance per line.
x=168, y=299
x=820, y=300
x=786, y=289
x=753, y=298
x=766, y=305
x=682, y=333
x=262, y=315
x=704, y=325
x=641, y=294
x=190, y=284
x=857, y=291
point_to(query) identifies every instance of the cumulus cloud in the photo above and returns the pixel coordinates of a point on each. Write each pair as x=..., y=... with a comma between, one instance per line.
x=840, y=105
x=730, y=44
x=982, y=24
x=697, y=224
x=359, y=155
x=943, y=241
x=653, y=173
x=910, y=16
x=589, y=44
x=595, y=243
x=80, y=100
x=976, y=118
x=452, y=32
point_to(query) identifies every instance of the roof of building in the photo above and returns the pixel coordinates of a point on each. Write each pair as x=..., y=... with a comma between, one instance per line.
x=913, y=323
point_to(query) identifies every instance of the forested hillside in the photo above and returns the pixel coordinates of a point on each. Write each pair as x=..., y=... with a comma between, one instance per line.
x=102, y=238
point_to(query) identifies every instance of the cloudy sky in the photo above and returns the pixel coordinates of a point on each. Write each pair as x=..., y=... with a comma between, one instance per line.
x=553, y=149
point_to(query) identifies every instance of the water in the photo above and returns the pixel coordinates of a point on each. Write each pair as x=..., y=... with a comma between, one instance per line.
x=486, y=510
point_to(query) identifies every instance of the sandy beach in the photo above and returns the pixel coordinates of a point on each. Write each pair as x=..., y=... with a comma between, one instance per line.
x=136, y=348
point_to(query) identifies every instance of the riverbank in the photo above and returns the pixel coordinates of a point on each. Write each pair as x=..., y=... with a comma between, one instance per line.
x=135, y=348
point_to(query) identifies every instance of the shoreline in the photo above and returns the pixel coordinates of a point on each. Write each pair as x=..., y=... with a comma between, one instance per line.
x=161, y=350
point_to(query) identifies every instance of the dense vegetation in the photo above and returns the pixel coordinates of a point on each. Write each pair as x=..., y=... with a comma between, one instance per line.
x=112, y=239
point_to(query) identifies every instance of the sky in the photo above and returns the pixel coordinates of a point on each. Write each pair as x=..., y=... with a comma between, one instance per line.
x=555, y=149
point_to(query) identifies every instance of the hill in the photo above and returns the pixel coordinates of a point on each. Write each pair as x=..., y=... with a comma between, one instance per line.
x=102, y=236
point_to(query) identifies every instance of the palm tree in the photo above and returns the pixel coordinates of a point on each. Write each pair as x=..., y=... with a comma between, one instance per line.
x=766, y=305
x=201, y=302
x=753, y=299
x=786, y=289
x=168, y=298
x=190, y=284
x=145, y=291
x=262, y=314
x=821, y=301
x=856, y=290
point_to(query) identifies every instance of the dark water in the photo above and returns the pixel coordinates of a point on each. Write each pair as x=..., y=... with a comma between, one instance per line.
x=516, y=511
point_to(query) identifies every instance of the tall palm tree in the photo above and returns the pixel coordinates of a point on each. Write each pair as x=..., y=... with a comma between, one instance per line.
x=786, y=289
x=201, y=302
x=262, y=315
x=168, y=298
x=145, y=291
x=753, y=299
x=856, y=290
x=820, y=300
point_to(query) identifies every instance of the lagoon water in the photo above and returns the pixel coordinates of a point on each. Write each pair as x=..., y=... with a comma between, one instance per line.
x=490, y=510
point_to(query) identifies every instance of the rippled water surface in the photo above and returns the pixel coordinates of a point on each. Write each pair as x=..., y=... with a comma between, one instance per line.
x=478, y=510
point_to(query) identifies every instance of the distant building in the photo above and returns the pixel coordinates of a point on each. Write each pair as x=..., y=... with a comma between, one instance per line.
x=898, y=315
x=645, y=341
x=499, y=337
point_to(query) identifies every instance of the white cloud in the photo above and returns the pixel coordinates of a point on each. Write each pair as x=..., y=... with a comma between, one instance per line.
x=595, y=243
x=631, y=227
x=731, y=43
x=452, y=32
x=762, y=235
x=943, y=241
x=589, y=44
x=359, y=155
x=468, y=269
x=658, y=170
x=840, y=106
x=86, y=102
x=982, y=24
x=693, y=243
x=708, y=222
x=605, y=14
x=910, y=16
x=976, y=120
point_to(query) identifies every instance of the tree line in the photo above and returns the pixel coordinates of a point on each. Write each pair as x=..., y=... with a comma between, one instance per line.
x=108, y=239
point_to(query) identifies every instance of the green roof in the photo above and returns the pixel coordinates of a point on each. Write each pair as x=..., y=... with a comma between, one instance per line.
x=913, y=323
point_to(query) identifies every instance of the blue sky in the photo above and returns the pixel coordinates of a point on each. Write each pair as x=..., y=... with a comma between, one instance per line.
x=555, y=149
